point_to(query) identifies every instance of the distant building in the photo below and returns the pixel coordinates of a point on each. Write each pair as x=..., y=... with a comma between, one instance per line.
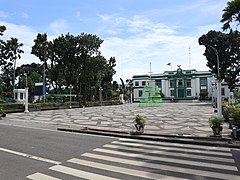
x=19, y=95
x=179, y=85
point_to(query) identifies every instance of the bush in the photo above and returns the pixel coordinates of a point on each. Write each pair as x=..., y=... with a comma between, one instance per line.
x=236, y=115
x=139, y=120
x=237, y=105
x=203, y=94
x=2, y=101
x=215, y=121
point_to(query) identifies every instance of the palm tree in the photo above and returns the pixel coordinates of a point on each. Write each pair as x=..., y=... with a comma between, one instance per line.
x=13, y=53
x=231, y=13
x=40, y=49
x=2, y=29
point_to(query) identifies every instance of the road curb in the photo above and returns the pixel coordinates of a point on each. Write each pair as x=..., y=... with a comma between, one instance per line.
x=207, y=141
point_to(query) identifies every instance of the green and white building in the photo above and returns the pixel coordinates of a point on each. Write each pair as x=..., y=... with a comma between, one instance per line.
x=179, y=84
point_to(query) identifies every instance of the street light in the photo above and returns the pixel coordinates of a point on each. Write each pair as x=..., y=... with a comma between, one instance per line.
x=219, y=98
x=70, y=96
x=214, y=91
x=26, y=95
x=100, y=95
x=44, y=70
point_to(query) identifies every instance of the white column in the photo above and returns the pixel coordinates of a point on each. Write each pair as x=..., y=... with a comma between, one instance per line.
x=26, y=100
x=219, y=99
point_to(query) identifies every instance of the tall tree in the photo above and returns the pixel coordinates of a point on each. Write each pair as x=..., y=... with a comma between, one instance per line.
x=31, y=73
x=88, y=46
x=231, y=14
x=226, y=47
x=2, y=45
x=12, y=53
x=77, y=61
x=41, y=50
x=64, y=62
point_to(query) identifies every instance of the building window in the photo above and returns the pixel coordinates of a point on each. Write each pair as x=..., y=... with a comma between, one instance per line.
x=136, y=83
x=172, y=92
x=189, y=92
x=158, y=83
x=171, y=83
x=223, y=91
x=143, y=83
x=203, y=81
x=16, y=95
x=21, y=95
x=189, y=84
x=180, y=83
x=140, y=93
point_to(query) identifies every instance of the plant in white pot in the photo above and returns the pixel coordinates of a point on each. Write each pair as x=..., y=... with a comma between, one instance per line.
x=139, y=123
x=216, y=124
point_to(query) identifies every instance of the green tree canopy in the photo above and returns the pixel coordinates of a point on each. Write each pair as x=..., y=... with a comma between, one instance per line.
x=227, y=48
x=77, y=61
x=10, y=51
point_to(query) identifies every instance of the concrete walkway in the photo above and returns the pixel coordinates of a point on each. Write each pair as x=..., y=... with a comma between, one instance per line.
x=170, y=119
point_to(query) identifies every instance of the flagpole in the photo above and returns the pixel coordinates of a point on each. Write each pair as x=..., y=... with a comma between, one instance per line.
x=189, y=53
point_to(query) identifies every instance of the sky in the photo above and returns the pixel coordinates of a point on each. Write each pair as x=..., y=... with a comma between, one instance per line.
x=136, y=32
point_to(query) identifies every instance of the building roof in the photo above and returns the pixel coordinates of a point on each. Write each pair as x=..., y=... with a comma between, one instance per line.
x=176, y=73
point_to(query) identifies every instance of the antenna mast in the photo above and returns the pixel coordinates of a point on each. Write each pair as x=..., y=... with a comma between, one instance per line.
x=189, y=54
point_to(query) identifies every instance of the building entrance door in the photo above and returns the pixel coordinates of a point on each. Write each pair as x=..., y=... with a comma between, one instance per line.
x=181, y=93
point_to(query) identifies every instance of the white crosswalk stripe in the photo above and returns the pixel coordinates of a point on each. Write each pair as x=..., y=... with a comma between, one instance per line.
x=138, y=159
x=40, y=176
x=174, y=148
x=177, y=154
x=79, y=173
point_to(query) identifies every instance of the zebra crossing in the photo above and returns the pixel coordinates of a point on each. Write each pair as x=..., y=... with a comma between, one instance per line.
x=138, y=159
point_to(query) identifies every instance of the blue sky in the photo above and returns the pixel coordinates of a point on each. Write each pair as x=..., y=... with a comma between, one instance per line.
x=135, y=32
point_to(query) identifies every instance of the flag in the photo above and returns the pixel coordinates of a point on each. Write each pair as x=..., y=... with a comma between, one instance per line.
x=168, y=64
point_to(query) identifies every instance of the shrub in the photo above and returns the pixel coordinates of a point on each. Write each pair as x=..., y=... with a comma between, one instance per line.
x=2, y=101
x=139, y=120
x=236, y=115
x=215, y=121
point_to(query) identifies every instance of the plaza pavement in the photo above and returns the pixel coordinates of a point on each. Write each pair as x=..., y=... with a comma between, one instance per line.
x=188, y=119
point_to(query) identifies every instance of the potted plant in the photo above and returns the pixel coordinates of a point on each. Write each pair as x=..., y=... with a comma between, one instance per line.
x=216, y=124
x=139, y=123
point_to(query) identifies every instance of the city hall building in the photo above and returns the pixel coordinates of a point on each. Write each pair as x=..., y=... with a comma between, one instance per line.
x=179, y=84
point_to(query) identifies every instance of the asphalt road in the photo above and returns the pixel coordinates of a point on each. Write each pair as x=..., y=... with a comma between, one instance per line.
x=51, y=145
x=28, y=153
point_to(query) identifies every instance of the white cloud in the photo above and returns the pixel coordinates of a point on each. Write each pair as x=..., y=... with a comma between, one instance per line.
x=156, y=43
x=25, y=15
x=138, y=23
x=204, y=29
x=3, y=14
x=105, y=17
x=59, y=26
x=78, y=15
x=25, y=35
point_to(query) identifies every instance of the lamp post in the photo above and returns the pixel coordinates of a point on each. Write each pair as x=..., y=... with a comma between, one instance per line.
x=219, y=98
x=44, y=70
x=100, y=95
x=118, y=93
x=26, y=96
x=214, y=91
x=14, y=76
x=70, y=96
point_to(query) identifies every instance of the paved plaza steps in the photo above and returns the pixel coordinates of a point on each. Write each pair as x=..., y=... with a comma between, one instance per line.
x=210, y=141
x=139, y=159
